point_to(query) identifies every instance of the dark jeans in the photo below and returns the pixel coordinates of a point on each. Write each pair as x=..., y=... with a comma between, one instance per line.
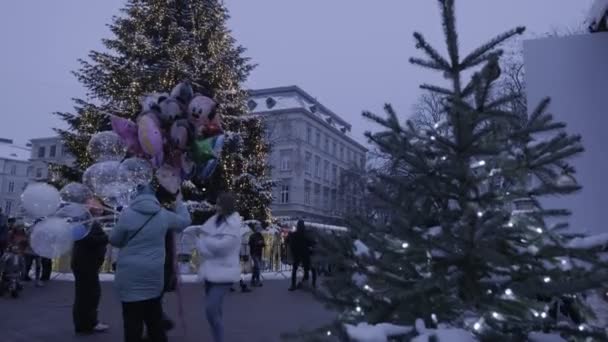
x=29, y=260
x=47, y=268
x=305, y=262
x=257, y=263
x=86, y=300
x=148, y=312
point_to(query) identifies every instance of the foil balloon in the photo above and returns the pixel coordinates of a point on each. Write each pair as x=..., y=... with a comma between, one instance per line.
x=75, y=193
x=202, y=150
x=100, y=174
x=52, y=237
x=181, y=131
x=211, y=129
x=136, y=171
x=127, y=131
x=151, y=138
x=199, y=111
x=106, y=146
x=218, y=145
x=187, y=166
x=208, y=169
x=169, y=178
x=40, y=199
x=151, y=102
x=170, y=110
x=183, y=93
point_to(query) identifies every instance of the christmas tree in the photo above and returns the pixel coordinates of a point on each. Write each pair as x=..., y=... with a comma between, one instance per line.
x=460, y=238
x=156, y=44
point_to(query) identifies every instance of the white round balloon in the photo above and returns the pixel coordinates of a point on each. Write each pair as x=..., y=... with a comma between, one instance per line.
x=136, y=170
x=79, y=217
x=106, y=146
x=118, y=193
x=40, y=199
x=52, y=238
x=75, y=193
x=98, y=175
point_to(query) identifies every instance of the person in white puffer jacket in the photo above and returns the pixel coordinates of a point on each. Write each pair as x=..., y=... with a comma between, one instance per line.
x=218, y=243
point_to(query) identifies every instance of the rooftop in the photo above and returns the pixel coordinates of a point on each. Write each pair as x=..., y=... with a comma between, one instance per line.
x=294, y=97
x=13, y=152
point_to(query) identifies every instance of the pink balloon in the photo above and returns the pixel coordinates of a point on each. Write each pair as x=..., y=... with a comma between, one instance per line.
x=127, y=131
x=151, y=137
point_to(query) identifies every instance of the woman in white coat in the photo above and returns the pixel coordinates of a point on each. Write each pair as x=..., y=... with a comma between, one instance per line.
x=218, y=243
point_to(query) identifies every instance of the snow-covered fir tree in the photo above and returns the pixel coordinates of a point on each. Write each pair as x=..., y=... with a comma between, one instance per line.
x=155, y=45
x=467, y=244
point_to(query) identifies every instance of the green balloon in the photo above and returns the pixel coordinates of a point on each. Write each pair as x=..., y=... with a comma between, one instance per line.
x=202, y=150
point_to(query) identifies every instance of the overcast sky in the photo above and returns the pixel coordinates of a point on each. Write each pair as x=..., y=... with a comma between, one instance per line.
x=352, y=55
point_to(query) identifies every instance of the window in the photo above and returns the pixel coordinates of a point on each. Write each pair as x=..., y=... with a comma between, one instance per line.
x=318, y=138
x=11, y=187
x=349, y=155
x=64, y=150
x=24, y=186
x=30, y=171
x=325, y=198
x=317, y=166
x=53, y=151
x=7, y=207
x=341, y=152
x=39, y=172
x=307, y=190
x=13, y=170
x=333, y=200
x=41, y=152
x=317, y=194
x=334, y=174
x=363, y=161
x=309, y=134
x=308, y=163
x=334, y=149
x=286, y=129
x=285, y=160
x=326, y=143
x=285, y=192
x=326, y=171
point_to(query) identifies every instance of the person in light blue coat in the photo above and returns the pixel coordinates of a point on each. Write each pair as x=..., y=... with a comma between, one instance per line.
x=140, y=235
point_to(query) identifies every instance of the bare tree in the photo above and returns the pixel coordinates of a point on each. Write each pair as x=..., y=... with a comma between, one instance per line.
x=428, y=110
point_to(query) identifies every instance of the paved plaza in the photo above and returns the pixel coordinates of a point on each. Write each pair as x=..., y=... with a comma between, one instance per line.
x=44, y=314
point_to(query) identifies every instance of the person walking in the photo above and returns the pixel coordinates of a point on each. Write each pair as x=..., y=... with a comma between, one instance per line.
x=219, y=243
x=301, y=246
x=256, y=249
x=140, y=234
x=87, y=258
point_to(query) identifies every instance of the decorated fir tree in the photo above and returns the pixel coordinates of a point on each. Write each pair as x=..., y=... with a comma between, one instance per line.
x=156, y=44
x=464, y=241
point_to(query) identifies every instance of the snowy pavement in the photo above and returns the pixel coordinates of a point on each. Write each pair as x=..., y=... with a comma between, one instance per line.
x=44, y=314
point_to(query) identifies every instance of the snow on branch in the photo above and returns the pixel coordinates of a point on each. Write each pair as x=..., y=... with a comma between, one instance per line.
x=364, y=332
x=589, y=241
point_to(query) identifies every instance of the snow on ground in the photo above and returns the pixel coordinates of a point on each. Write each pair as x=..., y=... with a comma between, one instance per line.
x=364, y=332
x=185, y=278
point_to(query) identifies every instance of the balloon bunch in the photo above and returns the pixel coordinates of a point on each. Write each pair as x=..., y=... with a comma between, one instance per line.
x=180, y=133
x=176, y=137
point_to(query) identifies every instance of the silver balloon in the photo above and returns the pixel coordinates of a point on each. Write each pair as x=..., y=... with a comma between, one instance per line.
x=75, y=193
x=100, y=174
x=136, y=170
x=52, y=237
x=106, y=146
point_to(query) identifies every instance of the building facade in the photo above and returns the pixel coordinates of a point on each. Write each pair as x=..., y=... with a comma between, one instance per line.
x=14, y=175
x=312, y=153
x=46, y=151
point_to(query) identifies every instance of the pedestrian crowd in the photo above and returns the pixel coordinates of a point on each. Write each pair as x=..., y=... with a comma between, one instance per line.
x=146, y=265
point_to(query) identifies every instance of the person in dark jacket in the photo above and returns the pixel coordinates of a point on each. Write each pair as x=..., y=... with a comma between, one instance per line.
x=301, y=246
x=87, y=258
x=256, y=249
